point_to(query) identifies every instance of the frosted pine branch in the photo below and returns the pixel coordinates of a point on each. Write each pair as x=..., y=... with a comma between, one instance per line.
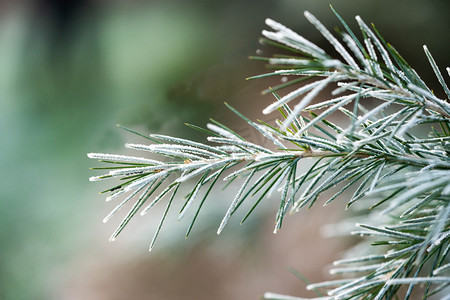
x=378, y=154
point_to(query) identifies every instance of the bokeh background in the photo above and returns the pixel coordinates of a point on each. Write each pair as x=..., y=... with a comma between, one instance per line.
x=71, y=70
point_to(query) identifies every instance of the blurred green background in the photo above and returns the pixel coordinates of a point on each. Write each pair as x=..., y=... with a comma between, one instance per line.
x=71, y=70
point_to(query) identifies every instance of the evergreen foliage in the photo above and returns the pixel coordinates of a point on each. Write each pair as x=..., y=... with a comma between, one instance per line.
x=380, y=155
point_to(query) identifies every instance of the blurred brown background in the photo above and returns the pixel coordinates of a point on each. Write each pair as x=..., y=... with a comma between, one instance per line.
x=71, y=70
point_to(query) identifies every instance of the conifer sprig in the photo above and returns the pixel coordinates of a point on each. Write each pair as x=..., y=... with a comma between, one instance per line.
x=377, y=156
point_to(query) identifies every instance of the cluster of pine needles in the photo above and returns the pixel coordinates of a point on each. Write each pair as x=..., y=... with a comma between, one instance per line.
x=392, y=158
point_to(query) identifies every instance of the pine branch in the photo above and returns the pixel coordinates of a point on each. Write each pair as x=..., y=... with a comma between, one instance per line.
x=377, y=153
